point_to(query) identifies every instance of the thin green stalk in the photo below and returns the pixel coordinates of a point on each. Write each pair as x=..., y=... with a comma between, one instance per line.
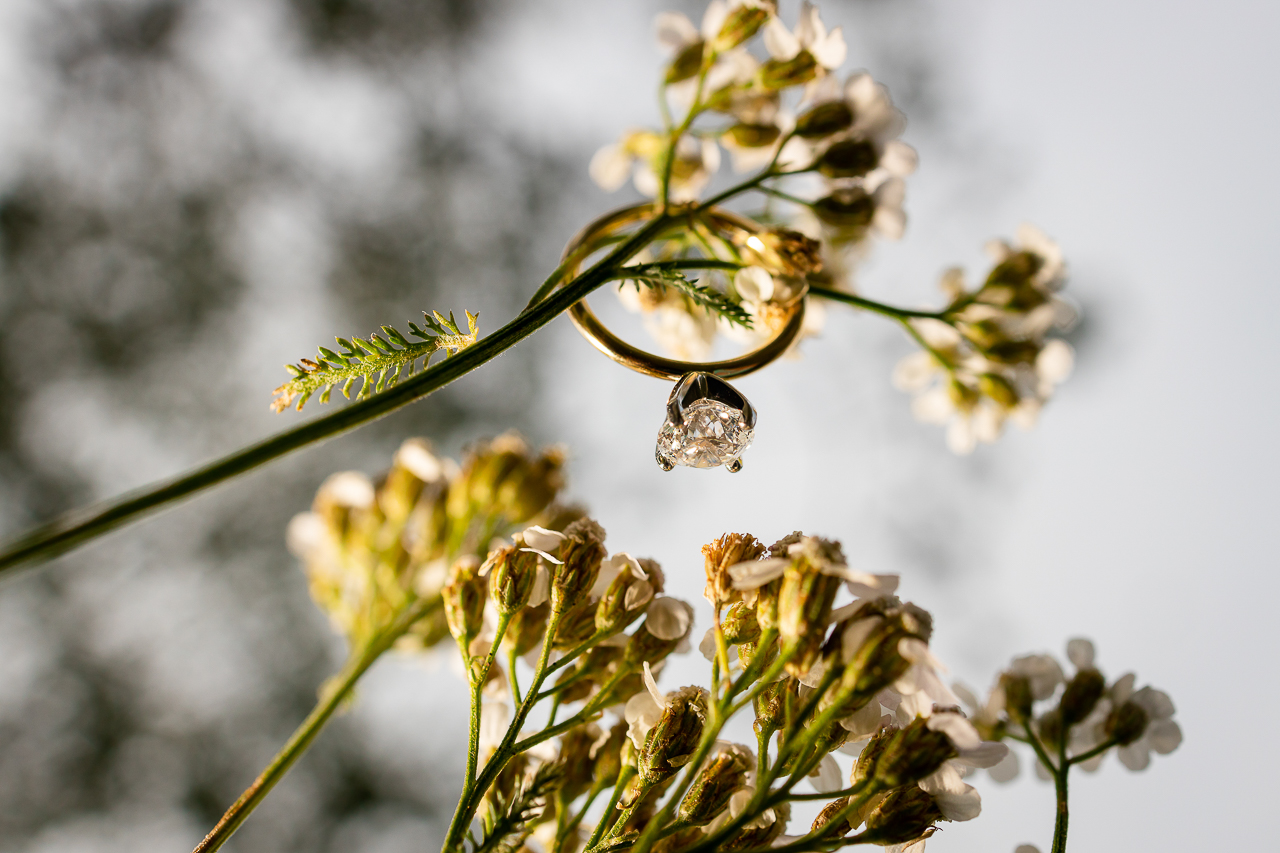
x=82, y=525
x=512, y=658
x=332, y=695
x=1093, y=753
x=470, y=799
x=872, y=305
x=1060, y=789
x=625, y=775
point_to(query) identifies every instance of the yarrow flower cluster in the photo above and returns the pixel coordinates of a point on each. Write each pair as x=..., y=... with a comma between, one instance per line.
x=575, y=747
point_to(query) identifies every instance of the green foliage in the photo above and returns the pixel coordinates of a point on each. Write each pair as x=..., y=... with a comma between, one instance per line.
x=657, y=275
x=507, y=824
x=389, y=359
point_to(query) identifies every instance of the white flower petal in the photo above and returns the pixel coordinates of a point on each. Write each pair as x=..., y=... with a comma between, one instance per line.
x=306, y=534
x=827, y=777
x=1135, y=756
x=668, y=618
x=1007, y=769
x=1054, y=362
x=754, y=284
x=674, y=31
x=757, y=573
x=1164, y=736
x=864, y=722
x=987, y=754
x=347, y=488
x=610, y=166
x=543, y=539
x=779, y=41
x=964, y=805
x=1080, y=652
x=415, y=456
x=1155, y=702
x=830, y=51
x=708, y=644
x=957, y=728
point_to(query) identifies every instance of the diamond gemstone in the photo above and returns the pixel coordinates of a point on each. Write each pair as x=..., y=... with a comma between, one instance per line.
x=711, y=433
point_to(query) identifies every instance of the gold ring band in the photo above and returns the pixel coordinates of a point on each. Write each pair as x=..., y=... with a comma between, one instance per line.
x=594, y=236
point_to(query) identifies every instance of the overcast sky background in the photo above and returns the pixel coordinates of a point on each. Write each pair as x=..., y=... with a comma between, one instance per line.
x=1139, y=513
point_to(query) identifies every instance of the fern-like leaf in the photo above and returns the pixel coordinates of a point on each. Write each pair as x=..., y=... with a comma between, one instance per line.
x=701, y=295
x=508, y=824
x=378, y=362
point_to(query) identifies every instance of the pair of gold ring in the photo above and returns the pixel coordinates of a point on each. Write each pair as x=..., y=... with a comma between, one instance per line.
x=709, y=422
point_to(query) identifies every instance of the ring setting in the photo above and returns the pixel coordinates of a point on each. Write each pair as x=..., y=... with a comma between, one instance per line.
x=709, y=423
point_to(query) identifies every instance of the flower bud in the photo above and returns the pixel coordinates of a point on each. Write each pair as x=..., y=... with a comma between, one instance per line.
x=824, y=821
x=754, y=135
x=741, y=24
x=1017, y=696
x=771, y=703
x=709, y=794
x=729, y=550
x=606, y=755
x=511, y=572
x=687, y=63
x=463, y=597
x=804, y=608
x=912, y=753
x=671, y=742
x=739, y=624
x=849, y=158
x=1049, y=726
x=414, y=467
x=784, y=73
x=626, y=597
x=527, y=627
x=1081, y=696
x=824, y=120
x=1127, y=723
x=762, y=831
x=784, y=251
x=865, y=767
x=904, y=815
x=848, y=210
x=577, y=625
x=575, y=754
x=582, y=552
x=998, y=389
x=531, y=487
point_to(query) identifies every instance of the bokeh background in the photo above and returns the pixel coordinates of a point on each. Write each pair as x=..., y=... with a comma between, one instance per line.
x=193, y=193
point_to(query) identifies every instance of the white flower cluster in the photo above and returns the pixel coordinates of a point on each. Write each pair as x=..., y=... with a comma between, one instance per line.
x=989, y=359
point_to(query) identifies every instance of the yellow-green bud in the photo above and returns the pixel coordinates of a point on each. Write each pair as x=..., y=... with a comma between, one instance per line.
x=1081, y=695
x=577, y=625
x=671, y=742
x=784, y=73
x=686, y=64
x=771, y=703
x=623, y=601
x=711, y=789
x=741, y=24
x=761, y=832
x=527, y=626
x=739, y=624
x=903, y=816
x=998, y=389
x=824, y=120
x=804, y=609
x=646, y=646
x=865, y=767
x=582, y=552
x=1127, y=723
x=1049, y=725
x=849, y=158
x=463, y=598
x=754, y=135
x=511, y=572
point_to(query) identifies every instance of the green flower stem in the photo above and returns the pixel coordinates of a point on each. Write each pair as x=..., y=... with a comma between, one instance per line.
x=673, y=138
x=872, y=305
x=332, y=694
x=512, y=658
x=858, y=796
x=1093, y=753
x=478, y=678
x=82, y=525
x=1060, y=789
x=625, y=775
x=471, y=794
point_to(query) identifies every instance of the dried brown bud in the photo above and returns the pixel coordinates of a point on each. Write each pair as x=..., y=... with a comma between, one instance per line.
x=782, y=251
x=626, y=597
x=729, y=550
x=847, y=210
x=606, y=755
x=865, y=767
x=762, y=831
x=771, y=703
x=709, y=794
x=804, y=609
